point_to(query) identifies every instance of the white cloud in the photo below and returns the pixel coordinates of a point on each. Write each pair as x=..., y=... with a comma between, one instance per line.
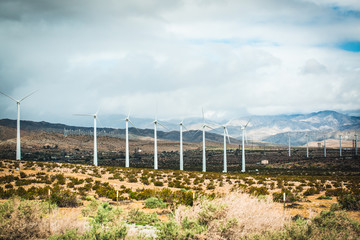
x=230, y=57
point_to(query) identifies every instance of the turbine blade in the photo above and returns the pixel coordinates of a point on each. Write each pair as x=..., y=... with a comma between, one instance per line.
x=162, y=125
x=209, y=127
x=83, y=115
x=227, y=134
x=8, y=96
x=134, y=126
x=98, y=119
x=247, y=123
x=28, y=95
x=202, y=109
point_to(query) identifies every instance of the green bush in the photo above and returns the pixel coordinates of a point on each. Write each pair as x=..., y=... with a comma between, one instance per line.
x=257, y=191
x=154, y=203
x=64, y=198
x=23, y=219
x=328, y=225
x=311, y=191
x=349, y=202
x=141, y=218
x=158, y=183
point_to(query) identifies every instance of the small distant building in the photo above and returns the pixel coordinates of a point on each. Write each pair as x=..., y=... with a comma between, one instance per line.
x=264, y=162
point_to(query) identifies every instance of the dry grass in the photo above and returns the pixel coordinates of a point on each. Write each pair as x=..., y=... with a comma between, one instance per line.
x=62, y=220
x=234, y=216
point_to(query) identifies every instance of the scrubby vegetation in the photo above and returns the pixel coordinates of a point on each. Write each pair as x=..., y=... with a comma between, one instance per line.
x=173, y=204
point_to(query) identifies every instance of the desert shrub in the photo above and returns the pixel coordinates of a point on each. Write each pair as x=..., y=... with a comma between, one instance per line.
x=158, y=183
x=141, y=218
x=328, y=225
x=210, y=186
x=169, y=231
x=132, y=179
x=289, y=196
x=154, y=203
x=89, y=180
x=23, y=175
x=71, y=234
x=106, y=223
x=257, y=191
x=349, y=202
x=335, y=192
x=8, y=179
x=9, y=185
x=60, y=179
x=311, y=191
x=90, y=209
x=335, y=207
x=231, y=217
x=104, y=190
x=23, y=219
x=64, y=198
x=324, y=197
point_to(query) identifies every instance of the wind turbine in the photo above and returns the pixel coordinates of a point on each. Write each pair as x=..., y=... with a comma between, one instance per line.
x=355, y=138
x=243, y=128
x=181, y=145
x=204, y=126
x=289, y=145
x=226, y=135
x=324, y=146
x=307, y=145
x=18, y=146
x=155, y=142
x=340, y=146
x=127, y=120
x=95, y=143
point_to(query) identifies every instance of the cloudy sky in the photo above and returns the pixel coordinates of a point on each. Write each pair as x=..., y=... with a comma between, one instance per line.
x=233, y=58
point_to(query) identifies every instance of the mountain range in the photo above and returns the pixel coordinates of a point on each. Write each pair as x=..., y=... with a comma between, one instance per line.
x=272, y=129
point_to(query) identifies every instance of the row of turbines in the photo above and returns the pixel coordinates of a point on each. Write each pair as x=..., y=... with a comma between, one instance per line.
x=340, y=147
x=156, y=122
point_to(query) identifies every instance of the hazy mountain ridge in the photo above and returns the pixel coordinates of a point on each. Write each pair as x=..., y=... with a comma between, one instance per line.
x=273, y=129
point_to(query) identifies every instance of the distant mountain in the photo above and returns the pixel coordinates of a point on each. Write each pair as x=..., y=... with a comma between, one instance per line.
x=188, y=136
x=272, y=129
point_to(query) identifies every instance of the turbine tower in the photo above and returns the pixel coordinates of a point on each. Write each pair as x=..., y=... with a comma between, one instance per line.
x=243, y=128
x=324, y=146
x=181, y=146
x=127, y=120
x=95, y=141
x=289, y=145
x=356, y=152
x=156, y=122
x=18, y=146
x=307, y=145
x=226, y=135
x=340, y=146
x=204, y=126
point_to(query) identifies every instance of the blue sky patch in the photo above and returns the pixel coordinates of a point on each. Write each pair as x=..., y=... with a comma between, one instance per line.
x=350, y=46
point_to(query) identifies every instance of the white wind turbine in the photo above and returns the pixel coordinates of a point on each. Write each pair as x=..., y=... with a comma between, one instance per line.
x=18, y=146
x=95, y=143
x=204, y=126
x=155, y=142
x=181, y=145
x=226, y=135
x=243, y=128
x=127, y=120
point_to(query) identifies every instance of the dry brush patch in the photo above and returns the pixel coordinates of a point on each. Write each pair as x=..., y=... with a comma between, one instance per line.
x=231, y=217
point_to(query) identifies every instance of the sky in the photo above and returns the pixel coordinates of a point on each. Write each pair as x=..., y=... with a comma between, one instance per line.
x=172, y=58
